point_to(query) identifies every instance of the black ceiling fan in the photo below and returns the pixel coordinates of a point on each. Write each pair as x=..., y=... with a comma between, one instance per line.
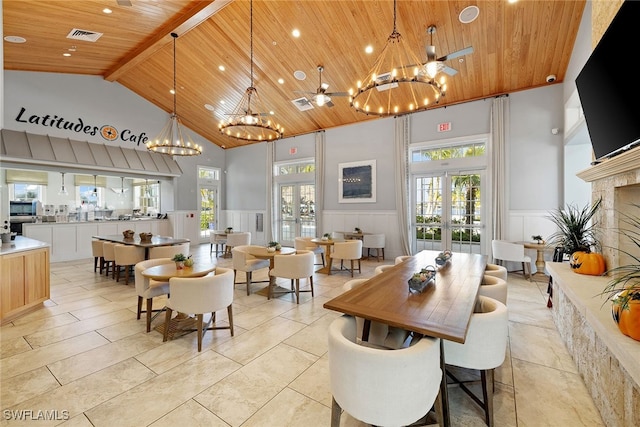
x=321, y=97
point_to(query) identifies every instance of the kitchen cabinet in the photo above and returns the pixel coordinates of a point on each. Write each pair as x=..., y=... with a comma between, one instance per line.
x=25, y=277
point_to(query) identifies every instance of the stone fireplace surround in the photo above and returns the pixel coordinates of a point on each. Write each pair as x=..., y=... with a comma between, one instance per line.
x=608, y=361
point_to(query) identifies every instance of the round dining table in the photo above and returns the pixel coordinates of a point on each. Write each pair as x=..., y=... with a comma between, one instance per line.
x=263, y=253
x=164, y=272
x=327, y=250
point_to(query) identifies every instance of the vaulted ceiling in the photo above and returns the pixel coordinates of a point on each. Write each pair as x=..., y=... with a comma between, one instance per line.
x=515, y=47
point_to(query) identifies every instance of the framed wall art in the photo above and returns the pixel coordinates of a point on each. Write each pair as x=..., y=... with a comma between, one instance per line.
x=357, y=182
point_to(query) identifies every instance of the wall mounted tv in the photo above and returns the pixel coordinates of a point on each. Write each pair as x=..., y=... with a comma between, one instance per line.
x=609, y=87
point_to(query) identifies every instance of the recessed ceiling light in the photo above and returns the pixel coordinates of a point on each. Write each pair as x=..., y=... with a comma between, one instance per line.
x=172, y=92
x=295, y=33
x=368, y=49
x=209, y=107
x=222, y=102
x=300, y=75
x=221, y=67
x=107, y=10
x=281, y=81
x=15, y=39
x=469, y=14
x=66, y=54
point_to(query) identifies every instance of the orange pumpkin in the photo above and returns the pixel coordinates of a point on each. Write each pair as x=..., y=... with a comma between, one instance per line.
x=590, y=263
x=628, y=318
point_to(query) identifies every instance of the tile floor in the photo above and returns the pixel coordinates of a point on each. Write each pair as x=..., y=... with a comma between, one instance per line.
x=84, y=360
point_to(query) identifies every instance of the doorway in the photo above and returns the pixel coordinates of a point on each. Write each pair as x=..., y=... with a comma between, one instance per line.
x=448, y=212
x=297, y=212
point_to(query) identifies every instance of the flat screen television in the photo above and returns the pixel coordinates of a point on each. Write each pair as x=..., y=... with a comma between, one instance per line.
x=609, y=87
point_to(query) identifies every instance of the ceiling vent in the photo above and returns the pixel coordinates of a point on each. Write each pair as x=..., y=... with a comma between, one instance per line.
x=84, y=35
x=303, y=104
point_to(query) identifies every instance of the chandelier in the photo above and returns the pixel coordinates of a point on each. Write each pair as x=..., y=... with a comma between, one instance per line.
x=244, y=122
x=174, y=139
x=398, y=82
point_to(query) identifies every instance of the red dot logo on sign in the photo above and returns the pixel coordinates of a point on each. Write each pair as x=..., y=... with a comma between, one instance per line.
x=109, y=132
x=293, y=150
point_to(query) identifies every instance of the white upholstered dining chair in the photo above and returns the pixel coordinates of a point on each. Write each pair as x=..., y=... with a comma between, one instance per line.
x=382, y=387
x=350, y=250
x=294, y=267
x=148, y=289
x=305, y=244
x=247, y=263
x=200, y=295
x=508, y=251
x=169, y=251
x=484, y=349
x=240, y=238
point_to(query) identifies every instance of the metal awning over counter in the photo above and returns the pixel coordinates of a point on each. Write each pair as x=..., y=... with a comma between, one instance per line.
x=33, y=149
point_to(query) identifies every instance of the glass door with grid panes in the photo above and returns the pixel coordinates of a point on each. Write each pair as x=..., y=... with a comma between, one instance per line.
x=448, y=212
x=208, y=185
x=297, y=212
x=447, y=201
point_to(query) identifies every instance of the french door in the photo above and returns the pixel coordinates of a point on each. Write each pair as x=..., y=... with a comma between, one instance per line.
x=297, y=214
x=208, y=211
x=448, y=212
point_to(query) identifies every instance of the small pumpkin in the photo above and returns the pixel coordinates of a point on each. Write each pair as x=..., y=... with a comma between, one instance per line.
x=626, y=313
x=590, y=263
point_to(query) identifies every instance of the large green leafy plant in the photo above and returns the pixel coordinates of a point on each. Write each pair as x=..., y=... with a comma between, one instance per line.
x=576, y=230
x=625, y=283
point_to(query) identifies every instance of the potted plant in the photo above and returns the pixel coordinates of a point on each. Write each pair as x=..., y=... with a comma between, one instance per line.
x=576, y=236
x=326, y=236
x=228, y=230
x=358, y=230
x=538, y=239
x=179, y=259
x=275, y=245
x=624, y=288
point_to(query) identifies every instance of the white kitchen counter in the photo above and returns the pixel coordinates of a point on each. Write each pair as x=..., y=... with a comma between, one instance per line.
x=21, y=244
x=72, y=240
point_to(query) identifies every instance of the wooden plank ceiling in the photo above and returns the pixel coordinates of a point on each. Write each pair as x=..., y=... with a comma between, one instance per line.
x=516, y=46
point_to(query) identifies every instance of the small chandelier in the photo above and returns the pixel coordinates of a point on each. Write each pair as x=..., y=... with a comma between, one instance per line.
x=246, y=124
x=399, y=82
x=174, y=139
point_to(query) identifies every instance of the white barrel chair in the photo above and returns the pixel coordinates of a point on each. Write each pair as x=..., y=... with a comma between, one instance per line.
x=382, y=387
x=493, y=287
x=484, y=349
x=496, y=271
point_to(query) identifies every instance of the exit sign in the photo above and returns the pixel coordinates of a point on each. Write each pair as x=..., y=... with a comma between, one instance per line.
x=444, y=127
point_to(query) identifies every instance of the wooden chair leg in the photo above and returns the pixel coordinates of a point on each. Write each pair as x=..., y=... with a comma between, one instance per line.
x=248, y=274
x=336, y=411
x=487, y=394
x=149, y=312
x=200, y=319
x=297, y=291
x=230, y=315
x=139, y=307
x=167, y=320
x=311, y=283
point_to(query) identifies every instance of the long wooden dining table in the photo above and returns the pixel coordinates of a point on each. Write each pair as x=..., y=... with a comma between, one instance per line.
x=443, y=309
x=146, y=244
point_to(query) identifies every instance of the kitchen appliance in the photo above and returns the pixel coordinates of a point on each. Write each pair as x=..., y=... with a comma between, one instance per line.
x=21, y=212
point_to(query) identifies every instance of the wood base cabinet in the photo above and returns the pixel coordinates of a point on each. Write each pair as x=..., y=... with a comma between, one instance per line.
x=25, y=282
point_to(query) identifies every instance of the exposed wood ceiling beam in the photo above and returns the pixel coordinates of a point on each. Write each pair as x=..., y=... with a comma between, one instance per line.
x=201, y=11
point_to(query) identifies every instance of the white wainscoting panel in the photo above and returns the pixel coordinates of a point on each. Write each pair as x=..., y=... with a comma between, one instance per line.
x=385, y=222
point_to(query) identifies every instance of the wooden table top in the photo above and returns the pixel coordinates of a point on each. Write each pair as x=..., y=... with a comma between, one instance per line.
x=328, y=242
x=136, y=241
x=164, y=272
x=260, y=252
x=442, y=310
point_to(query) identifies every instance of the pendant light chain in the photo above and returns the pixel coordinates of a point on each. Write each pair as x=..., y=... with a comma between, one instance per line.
x=251, y=40
x=175, y=92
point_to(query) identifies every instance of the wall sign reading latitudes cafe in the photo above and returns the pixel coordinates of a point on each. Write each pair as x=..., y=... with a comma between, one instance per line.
x=108, y=132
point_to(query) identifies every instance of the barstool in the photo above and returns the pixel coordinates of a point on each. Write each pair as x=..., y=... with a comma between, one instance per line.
x=109, y=256
x=96, y=249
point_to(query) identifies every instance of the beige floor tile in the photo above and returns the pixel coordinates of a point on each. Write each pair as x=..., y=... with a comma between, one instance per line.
x=190, y=414
x=85, y=352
